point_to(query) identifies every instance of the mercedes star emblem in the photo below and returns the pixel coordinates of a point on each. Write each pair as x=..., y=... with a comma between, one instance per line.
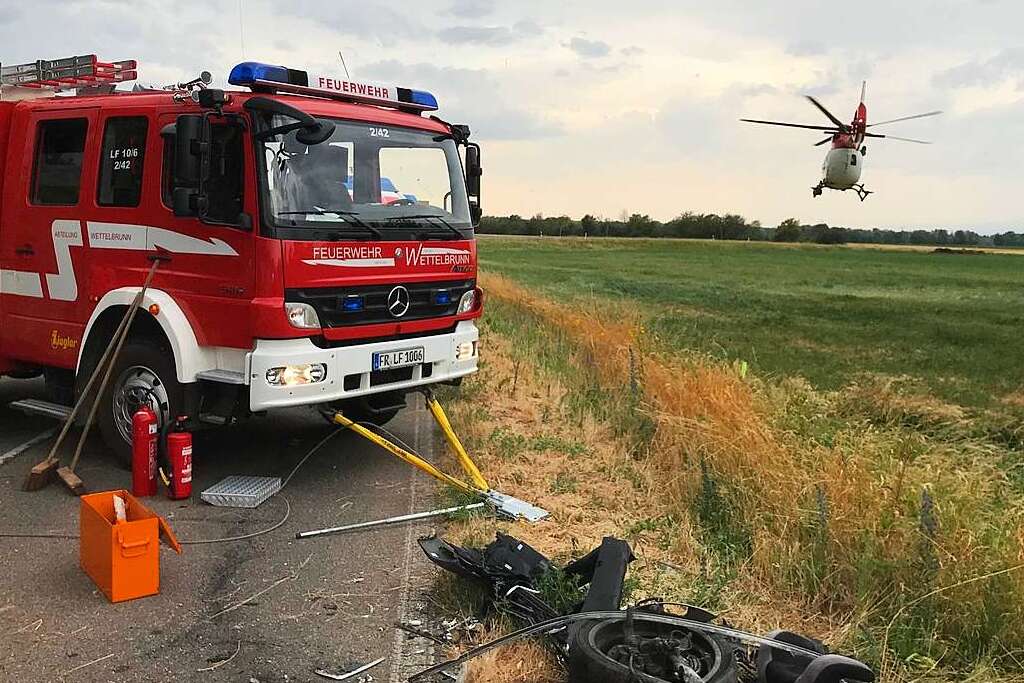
x=398, y=301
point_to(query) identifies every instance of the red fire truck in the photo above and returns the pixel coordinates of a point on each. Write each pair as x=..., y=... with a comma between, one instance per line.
x=291, y=280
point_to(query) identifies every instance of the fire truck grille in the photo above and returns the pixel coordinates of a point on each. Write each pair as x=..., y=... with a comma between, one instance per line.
x=368, y=304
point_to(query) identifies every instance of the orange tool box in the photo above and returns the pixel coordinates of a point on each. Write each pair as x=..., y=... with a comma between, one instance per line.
x=122, y=558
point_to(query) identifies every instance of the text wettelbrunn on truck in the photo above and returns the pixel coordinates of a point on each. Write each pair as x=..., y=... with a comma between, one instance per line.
x=319, y=234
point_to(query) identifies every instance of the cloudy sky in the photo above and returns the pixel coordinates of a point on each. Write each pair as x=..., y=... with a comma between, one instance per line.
x=609, y=107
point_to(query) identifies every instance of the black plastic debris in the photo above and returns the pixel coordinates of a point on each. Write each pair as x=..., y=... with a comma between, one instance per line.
x=508, y=569
x=604, y=568
x=512, y=571
x=505, y=563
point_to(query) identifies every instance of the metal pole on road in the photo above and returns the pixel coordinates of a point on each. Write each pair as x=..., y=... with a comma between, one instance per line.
x=389, y=521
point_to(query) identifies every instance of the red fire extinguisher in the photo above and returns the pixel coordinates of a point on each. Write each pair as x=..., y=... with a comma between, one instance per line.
x=179, y=454
x=144, y=445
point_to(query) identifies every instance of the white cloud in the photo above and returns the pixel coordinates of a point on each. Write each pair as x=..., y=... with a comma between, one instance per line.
x=493, y=36
x=473, y=96
x=471, y=9
x=1007, y=64
x=589, y=48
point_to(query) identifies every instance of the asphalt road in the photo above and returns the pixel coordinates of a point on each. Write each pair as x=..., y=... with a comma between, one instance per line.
x=279, y=608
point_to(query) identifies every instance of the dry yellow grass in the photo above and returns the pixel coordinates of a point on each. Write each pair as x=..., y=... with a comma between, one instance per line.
x=523, y=662
x=523, y=404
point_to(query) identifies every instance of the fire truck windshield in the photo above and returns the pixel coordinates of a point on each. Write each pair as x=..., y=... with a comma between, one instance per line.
x=368, y=180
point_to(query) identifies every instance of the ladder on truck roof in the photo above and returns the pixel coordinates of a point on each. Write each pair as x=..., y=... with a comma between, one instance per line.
x=46, y=77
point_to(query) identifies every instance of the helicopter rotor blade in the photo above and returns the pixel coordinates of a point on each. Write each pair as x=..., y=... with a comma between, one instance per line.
x=821, y=107
x=906, y=118
x=822, y=142
x=791, y=125
x=893, y=137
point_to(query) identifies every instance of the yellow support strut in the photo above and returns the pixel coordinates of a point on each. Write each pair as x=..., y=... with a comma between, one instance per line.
x=468, y=466
x=508, y=505
x=411, y=458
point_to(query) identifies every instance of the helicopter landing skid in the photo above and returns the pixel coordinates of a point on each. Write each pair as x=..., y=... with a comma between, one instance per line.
x=859, y=189
x=861, y=192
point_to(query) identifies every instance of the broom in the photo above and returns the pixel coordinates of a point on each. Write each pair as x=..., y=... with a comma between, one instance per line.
x=41, y=474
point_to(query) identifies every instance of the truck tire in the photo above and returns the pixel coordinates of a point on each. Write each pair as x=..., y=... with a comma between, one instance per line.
x=144, y=371
x=590, y=643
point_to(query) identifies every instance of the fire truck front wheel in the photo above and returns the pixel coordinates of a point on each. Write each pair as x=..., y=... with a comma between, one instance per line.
x=143, y=374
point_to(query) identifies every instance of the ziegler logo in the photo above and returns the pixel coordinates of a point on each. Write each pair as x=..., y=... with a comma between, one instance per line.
x=62, y=343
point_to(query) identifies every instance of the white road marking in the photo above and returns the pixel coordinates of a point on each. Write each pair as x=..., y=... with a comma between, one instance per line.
x=399, y=656
x=18, y=450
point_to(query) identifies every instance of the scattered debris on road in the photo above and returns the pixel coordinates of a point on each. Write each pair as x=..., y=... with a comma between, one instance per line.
x=351, y=674
x=413, y=628
x=218, y=664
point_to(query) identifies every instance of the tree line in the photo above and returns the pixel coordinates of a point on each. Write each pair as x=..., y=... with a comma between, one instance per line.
x=733, y=227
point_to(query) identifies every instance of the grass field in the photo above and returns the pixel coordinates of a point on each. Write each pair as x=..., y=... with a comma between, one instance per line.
x=950, y=324
x=859, y=478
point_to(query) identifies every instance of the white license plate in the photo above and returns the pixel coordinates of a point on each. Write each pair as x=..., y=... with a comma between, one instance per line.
x=386, y=360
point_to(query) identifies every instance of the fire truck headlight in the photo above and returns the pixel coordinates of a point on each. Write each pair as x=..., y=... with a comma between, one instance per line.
x=297, y=375
x=467, y=303
x=302, y=316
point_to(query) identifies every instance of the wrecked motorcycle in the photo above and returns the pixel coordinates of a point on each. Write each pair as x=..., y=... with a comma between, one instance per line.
x=601, y=643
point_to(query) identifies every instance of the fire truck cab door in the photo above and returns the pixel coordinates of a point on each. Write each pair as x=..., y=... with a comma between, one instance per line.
x=51, y=172
x=212, y=273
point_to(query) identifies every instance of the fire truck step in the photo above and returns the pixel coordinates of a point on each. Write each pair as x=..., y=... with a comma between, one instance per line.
x=34, y=406
x=222, y=376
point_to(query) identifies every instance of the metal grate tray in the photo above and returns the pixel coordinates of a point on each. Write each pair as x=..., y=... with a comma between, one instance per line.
x=240, y=491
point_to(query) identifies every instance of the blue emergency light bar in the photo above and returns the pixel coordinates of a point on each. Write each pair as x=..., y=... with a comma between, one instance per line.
x=259, y=76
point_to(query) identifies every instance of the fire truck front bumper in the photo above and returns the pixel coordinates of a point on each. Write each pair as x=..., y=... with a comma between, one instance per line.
x=294, y=372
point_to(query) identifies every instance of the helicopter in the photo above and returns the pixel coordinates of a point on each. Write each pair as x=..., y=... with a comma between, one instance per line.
x=844, y=162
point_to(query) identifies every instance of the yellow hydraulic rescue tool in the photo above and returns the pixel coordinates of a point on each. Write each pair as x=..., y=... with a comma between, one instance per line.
x=505, y=504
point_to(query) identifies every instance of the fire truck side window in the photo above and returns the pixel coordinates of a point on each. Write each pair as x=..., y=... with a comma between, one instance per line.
x=57, y=175
x=124, y=148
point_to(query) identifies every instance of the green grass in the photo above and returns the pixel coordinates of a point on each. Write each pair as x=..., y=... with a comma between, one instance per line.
x=950, y=324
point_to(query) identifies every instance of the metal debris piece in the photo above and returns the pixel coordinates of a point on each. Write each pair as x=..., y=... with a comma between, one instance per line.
x=514, y=508
x=391, y=520
x=350, y=674
x=411, y=629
